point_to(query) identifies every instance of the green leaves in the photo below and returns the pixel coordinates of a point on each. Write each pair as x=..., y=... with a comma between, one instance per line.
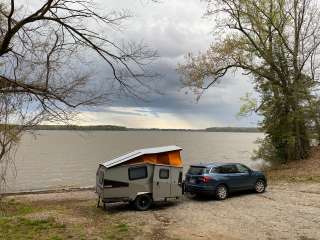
x=277, y=43
x=249, y=105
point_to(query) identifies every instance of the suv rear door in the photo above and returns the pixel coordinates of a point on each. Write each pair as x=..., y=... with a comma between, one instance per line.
x=194, y=174
x=231, y=176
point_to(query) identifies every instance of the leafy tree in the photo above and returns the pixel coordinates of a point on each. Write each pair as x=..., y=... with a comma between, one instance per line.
x=276, y=42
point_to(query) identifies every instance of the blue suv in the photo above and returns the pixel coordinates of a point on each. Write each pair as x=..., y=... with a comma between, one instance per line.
x=219, y=179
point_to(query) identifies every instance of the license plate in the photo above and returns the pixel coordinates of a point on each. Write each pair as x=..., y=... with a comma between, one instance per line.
x=192, y=181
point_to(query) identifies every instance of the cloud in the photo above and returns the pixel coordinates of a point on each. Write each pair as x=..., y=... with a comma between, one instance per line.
x=134, y=118
x=173, y=28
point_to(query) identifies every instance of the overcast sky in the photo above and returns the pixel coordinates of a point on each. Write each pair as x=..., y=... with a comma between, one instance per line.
x=173, y=28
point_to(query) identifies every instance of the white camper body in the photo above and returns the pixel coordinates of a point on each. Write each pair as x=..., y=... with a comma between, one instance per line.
x=129, y=180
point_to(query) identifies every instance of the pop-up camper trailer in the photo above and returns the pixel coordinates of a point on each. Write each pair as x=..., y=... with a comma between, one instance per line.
x=141, y=177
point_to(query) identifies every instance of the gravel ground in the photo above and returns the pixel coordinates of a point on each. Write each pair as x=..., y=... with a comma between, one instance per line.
x=285, y=211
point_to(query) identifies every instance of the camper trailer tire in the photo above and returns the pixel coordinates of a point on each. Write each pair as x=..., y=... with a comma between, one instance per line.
x=132, y=204
x=143, y=202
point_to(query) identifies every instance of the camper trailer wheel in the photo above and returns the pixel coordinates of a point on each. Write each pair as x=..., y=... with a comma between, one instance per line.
x=143, y=202
x=131, y=204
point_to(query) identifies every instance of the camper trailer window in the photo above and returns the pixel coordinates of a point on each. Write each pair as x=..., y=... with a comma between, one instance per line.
x=136, y=173
x=164, y=173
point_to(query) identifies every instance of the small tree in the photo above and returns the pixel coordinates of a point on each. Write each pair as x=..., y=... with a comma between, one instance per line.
x=43, y=71
x=13, y=109
x=276, y=43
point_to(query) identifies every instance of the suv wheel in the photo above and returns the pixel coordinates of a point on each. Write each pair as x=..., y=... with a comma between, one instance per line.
x=191, y=195
x=221, y=192
x=143, y=202
x=260, y=186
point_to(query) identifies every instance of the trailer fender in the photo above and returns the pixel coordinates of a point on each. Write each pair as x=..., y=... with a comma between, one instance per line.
x=141, y=193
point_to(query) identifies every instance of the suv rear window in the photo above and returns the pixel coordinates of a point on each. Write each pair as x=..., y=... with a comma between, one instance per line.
x=198, y=170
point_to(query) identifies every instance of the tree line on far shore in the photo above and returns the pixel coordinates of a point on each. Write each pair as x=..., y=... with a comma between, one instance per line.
x=123, y=128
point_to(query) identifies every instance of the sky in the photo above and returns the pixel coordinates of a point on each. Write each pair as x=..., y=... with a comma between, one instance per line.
x=173, y=28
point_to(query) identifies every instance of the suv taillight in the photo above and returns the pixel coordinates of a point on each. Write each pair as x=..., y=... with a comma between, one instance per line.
x=205, y=179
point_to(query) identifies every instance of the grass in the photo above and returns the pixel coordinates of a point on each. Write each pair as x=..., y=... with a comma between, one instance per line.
x=292, y=173
x=13, y=208
x=278, y=176
x=23, y=228
x=303, y=171
x=50, y=220
x=121, y=231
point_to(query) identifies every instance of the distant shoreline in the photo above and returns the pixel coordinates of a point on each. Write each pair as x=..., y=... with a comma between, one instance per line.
x=122, y=128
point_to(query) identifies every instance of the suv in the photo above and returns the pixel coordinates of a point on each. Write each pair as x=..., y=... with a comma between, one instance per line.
x=219, y=179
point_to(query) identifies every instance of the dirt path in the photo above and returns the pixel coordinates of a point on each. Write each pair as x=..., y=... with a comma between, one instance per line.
x=285, y=211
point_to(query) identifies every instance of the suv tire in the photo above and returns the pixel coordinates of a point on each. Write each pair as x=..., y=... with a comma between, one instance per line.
x=191, y=195
x=260, y=186
x=221, y=192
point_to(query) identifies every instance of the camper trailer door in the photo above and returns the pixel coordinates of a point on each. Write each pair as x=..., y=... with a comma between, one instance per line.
x=161, y=182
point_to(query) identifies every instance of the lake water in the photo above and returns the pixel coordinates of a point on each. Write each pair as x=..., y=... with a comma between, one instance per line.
x=55, y=159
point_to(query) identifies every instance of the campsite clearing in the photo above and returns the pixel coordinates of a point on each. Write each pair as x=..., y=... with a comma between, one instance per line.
x=285, y=211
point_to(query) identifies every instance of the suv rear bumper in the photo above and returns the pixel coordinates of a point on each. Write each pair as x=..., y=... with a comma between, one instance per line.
x=199, y=189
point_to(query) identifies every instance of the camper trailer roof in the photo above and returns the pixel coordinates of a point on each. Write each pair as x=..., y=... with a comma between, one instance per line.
x=140, y=152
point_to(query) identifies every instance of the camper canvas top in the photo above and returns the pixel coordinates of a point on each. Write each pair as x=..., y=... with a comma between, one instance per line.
x=137, y=153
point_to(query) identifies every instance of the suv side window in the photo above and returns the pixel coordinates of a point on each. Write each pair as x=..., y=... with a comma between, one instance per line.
x=228, y=169
x=242, y=168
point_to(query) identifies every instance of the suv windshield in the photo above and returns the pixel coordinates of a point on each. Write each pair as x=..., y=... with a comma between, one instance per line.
x=198, y=170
